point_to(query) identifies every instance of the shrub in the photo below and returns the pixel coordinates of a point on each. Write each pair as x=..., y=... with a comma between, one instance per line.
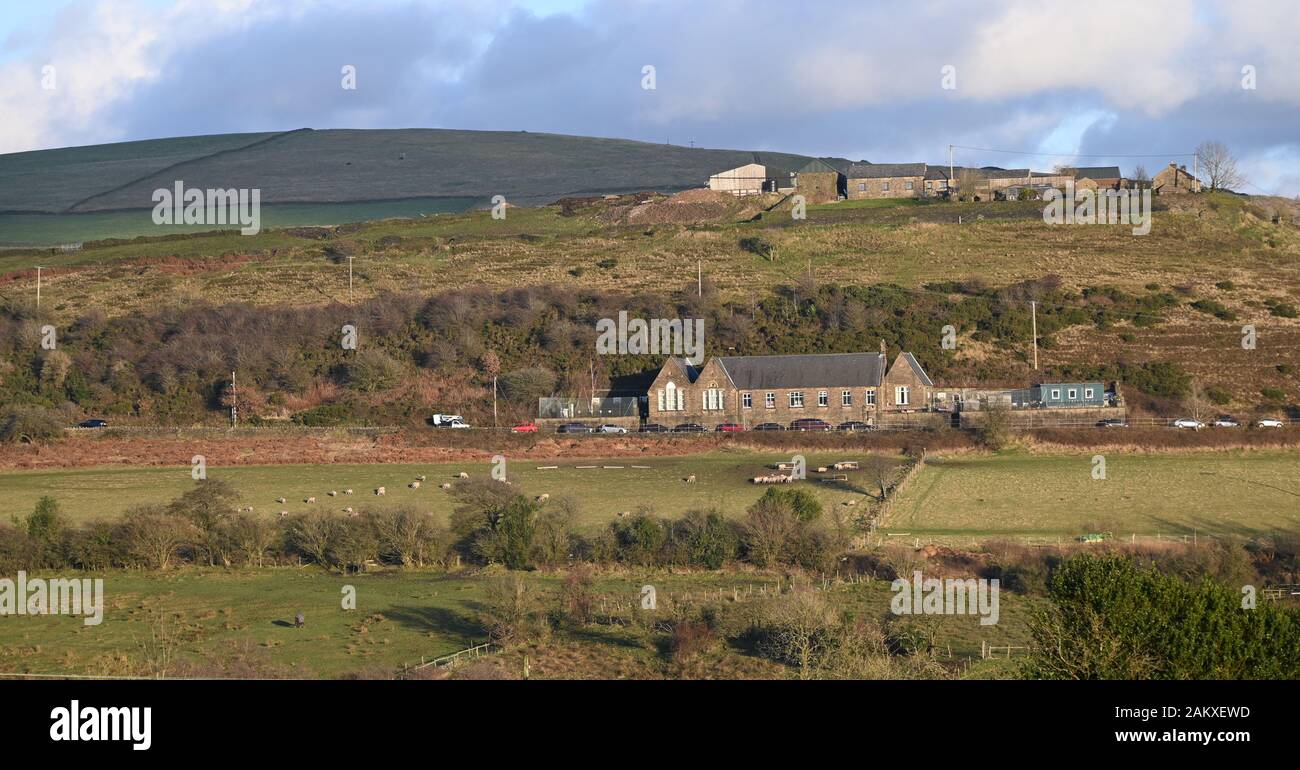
x=29, y=424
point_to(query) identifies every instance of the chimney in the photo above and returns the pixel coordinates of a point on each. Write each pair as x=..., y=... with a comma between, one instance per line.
x=882, y=347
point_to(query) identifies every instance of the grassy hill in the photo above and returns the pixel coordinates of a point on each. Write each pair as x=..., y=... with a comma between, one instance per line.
x=337, y=166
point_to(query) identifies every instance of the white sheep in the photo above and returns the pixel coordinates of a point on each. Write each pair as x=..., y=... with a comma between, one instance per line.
x=381, y=491
x=419, y=478
x=414, y=485
x=281, y=500
x=690, y=479
x=310, y=500
x=348, y=510
x=332, y=493
x=347, y=491
x=543, y=497
x=446, y=486
x=463, y=475
x=283, y=514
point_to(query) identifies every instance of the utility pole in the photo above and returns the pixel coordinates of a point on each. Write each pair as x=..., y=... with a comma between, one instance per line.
x=1033, y=311
x=699, y=278
x=950, y=167
x=349, y=280
x=234, y=403
x=38, y=288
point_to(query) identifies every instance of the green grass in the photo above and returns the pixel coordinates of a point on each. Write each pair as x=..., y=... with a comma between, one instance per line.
x=722, y=481
x=1214, y=493
x=241, y=621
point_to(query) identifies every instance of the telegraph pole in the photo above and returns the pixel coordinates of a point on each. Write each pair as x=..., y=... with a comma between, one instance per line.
x=699, y=278
x=1033, y=311
x=234, y=403
x=38, y=288
x=950, y=167
x=349, y=280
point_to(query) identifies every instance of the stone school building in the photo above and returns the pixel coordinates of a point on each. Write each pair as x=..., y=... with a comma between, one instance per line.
x=749, y=390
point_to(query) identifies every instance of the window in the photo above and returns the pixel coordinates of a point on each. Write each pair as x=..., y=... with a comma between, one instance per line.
x=1087, y=393
x=1074, y=393
x=900, y=395
x=884, y=186
x=871, y=398
x=846, y=398
x=796, y=399
x=943, y=184
x=909, y=185
x=862, y=186
x=1056, y=394
x=929, y=185
x=823, y=398
x=769, y=400
x=661, y=399
x=747, y=400
x=712, y=399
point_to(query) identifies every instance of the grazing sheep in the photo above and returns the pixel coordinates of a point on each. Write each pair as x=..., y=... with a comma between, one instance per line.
x=310, y=500
x=348, y=510
x=281, y=500
x=332, y=493
x=690, y=479
x=622, y=514
x=381, y=491
x=347, y=491
x=463, y=475
x=414, y=485
x=284, y=514
x=419, y=478
x=446, y=486
x=543, y=498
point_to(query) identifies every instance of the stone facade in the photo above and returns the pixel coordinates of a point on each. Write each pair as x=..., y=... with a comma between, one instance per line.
x=1174, y=180
x=782, y=389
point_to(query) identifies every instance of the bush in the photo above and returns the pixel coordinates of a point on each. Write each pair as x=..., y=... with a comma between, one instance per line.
x=29, y=424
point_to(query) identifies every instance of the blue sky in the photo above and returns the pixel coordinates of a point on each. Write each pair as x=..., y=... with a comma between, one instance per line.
x=853, y=78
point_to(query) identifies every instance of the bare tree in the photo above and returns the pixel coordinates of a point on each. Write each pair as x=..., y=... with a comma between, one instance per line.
x=1219, y=166
x=1140, y=173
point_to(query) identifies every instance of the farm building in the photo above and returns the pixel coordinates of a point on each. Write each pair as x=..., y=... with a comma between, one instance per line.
x=885, y=180
x=1055, y=395
x=747, y=390
x=1174, y=180
x=752, y=179
x=820, y=181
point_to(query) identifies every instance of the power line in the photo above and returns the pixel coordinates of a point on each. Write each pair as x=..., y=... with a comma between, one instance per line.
x=1080, y=154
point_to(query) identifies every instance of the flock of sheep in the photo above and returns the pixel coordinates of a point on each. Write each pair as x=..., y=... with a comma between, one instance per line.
x=379, y=491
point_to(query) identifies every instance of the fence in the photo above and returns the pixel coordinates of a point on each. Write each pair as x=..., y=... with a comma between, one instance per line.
x=560, y=408
x=447, y=661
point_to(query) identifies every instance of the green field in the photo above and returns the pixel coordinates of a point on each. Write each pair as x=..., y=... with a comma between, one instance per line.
x=1210, y=493
x=722, y=481
x=240, y=621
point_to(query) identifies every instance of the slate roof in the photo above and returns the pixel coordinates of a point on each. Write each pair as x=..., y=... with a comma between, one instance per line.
x=884, y=170
x=825, y=370
x=1098, y=172
x=823, y=166
x=925, y=378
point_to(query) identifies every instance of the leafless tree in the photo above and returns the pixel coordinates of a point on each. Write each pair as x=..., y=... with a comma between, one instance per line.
x=1140, y=173
x=1218, y=165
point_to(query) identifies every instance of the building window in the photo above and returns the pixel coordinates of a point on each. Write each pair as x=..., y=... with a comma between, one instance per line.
x=661, y=399
x=884, y=186
x=712, y=399
x=1087, y=393
x=846, y=398
x=943, y=184
x=747, y=400
x=1074, y=393
x=823, y=398
x=929, y=185
x=769, y=400
x=796, y=399
x=900, y=395
x=862, y=186
x=909, y=185
x=871, y=398
x=1056, y=394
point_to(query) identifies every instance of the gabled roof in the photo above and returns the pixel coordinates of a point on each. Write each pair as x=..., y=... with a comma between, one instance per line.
x=683, y=367
x=823, y=166
x=916, y=366
x=1097, y=172
x=884, y=170
x=822, y=370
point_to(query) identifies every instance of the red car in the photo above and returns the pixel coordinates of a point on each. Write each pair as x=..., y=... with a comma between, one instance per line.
x=525, y=427
x=729, y=427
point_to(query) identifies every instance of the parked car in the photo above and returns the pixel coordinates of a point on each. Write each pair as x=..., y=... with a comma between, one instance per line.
x=573, y=427
x=611, y=429
x=1270, y=422
x=653, y=427
x=525, y=427
x=810, y=423
x=1225, y=421
x=1187, y=422
x=853, y=425
x=1113, y=422
x=448, y=421
x=95, y=423
x=689, y=427
x=729, y=427
x=769, y=426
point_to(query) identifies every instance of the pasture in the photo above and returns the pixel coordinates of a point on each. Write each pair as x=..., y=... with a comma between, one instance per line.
x=1055, y=496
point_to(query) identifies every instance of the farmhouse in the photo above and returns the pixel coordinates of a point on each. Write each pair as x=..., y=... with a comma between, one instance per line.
x=886, y=180
x=747, y=390
x=1174, y=180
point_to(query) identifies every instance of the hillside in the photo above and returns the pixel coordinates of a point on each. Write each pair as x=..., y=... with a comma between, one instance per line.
x=347, y=166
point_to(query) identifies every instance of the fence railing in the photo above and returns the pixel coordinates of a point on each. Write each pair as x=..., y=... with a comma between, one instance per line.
x=452, y=659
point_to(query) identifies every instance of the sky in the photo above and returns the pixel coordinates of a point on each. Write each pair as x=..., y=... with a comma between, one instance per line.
x=1012, y=83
